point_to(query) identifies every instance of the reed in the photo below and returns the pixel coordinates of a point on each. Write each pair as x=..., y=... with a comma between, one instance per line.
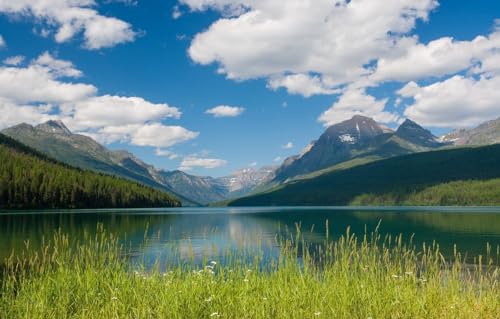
x=353, y=277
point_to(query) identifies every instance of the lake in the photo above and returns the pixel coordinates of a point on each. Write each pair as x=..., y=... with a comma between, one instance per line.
x=216, y=231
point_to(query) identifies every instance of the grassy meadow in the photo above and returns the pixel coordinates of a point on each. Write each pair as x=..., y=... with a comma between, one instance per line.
x=352, y=277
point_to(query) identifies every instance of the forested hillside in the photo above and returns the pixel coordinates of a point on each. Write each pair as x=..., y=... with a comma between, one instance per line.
x=467, y=176
x=29, y=179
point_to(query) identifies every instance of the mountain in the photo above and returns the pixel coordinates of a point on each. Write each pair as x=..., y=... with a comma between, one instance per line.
x=207, y=190
x=57, y=141
x=417, y=135
x=30, y=179
x=202, y=189
x=457, y=176
x=485, y=134
x=359, y=137
x=246, y=180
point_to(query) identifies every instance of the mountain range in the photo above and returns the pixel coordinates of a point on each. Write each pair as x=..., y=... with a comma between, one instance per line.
x=57, y=141
x=358, y=138
x=357, y=141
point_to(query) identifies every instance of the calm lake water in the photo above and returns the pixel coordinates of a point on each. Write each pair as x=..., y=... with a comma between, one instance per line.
x=215, y=231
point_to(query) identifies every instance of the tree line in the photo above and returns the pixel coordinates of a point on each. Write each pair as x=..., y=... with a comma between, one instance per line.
x=29, y=179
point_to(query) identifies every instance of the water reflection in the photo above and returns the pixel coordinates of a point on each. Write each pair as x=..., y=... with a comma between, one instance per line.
x=215, y=232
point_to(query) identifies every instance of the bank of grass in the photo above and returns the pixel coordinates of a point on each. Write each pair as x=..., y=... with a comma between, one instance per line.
x=367, y=277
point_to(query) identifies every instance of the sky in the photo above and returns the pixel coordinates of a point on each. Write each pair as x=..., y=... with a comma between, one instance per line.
x=212, y=86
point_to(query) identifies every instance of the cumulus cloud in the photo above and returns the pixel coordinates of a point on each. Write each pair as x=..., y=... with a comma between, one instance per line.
x=190, y=162
x=278, y=40
x=302, y=84
x=39, y=82
x=438, y=58
x=38, y=92
x=161, y=136
x=70, y=18
x=14, y=60
x=109, y=110
x=456, y=102
x=225, y=111
x=287, y=146
x=2, y=41
x=357, y=102
x=342, y=47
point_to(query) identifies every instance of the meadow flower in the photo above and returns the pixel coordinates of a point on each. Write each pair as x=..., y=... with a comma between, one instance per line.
x=317, y=313
x=215, y=314
x=114, y=298
x=213, y=263
x=245, y=280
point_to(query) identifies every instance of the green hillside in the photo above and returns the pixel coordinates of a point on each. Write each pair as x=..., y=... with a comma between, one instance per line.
x=29, y=179
x=465, y=176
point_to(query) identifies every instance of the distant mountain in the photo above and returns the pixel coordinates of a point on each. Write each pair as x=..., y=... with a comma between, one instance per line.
x=246, y=180
x=456, y=176
x=206, y=189
x=57, y=141
x=30, y=179
x=202, y=189
x=485, y=134
x=359, y=137
x=417, y=135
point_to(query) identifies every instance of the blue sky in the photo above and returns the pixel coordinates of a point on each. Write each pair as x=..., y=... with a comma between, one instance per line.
x=124, y=71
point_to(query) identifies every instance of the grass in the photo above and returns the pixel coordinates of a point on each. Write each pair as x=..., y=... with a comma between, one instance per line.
x=353, y=277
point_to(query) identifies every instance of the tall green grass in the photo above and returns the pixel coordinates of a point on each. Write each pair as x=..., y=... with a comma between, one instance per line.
x=352, y=277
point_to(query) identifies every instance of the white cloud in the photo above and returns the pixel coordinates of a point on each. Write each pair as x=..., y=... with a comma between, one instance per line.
x=253, y=164
x=225, y=111
x=176, y=12
x=37, y=93
x=166, y=153
x=277, y=159
x=109, y=110
x=60, y=68
x=303, y=84
x=357, y=102
x=159, y=135
x=332, y=39
x=456, y=102
x=14, y=60
x=40, y=83
x=438, y=58
x=191, y=162
x=287, y=146
x=70, y=18
x=13, y=113
x=2, y=42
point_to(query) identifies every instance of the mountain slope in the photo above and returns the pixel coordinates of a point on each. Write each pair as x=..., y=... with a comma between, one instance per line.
x=56, y=140
x=394, y=178
x=359, y=137
x=484, y=134
x=207, y=190
x=29, y=179
x=202, y=189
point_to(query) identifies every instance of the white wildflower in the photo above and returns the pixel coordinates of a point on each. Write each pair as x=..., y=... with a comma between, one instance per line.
x=215, y=314
x=317, y=313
